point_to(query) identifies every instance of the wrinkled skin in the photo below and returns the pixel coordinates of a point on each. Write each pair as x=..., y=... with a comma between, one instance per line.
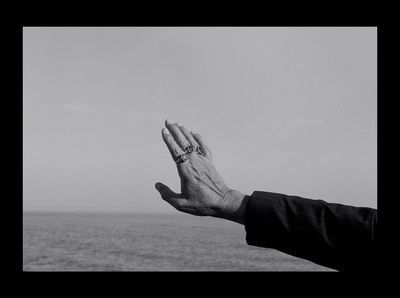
x=203, y=192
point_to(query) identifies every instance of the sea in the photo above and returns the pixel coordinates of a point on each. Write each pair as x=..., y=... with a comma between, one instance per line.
x=123, y=241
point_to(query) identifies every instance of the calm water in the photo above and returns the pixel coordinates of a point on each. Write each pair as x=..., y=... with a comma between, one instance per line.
x=155, y=242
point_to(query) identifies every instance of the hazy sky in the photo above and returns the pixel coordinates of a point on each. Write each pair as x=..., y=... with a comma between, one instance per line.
x=289, y=110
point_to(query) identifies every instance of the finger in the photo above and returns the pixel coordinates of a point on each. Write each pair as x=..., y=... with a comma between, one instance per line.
x=173, y=148
x=177, y=134
x=199, y=139
x=187, y=135
x=175, y=199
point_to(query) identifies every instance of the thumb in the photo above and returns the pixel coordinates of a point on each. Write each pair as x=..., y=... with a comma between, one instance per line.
x=166, y=193
x=177, y=200
x=172, y=198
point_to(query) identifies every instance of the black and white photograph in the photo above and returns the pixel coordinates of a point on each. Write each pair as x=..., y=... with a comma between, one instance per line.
x=199, y=148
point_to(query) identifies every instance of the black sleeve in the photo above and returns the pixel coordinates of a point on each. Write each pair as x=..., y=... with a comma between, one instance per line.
x=332, y=235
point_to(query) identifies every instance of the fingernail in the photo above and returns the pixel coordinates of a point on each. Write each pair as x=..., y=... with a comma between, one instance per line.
x=168, y=121
x=178, y=124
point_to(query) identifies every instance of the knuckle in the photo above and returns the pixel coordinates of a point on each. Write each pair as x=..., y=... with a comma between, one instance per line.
x=174, y=204
x=164, y=196
x=169, y=137
x=184, y=144
x=178, y=205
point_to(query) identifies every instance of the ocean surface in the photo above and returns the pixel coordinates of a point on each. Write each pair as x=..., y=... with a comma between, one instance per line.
x=54, y=241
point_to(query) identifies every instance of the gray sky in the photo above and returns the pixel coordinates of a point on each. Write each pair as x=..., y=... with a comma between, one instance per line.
x=289, y=110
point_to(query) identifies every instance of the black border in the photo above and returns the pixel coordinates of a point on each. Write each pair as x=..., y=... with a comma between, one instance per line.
x=168, y=281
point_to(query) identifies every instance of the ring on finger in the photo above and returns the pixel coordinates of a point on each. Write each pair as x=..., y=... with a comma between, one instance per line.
x=182, y=158
x=189, y=149
x=200, y=150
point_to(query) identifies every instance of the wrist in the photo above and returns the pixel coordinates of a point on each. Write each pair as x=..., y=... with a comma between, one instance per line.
x=233, y=206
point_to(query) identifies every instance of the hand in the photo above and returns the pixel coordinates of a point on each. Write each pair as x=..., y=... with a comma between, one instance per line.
x=203, y=192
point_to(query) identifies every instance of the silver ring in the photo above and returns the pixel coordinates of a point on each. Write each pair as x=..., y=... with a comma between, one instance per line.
x=189, y=149
x=200, y=150
x=182, y=158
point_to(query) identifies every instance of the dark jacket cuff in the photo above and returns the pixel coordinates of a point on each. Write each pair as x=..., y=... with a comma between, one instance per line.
x=332, y=235
x=261, y=222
